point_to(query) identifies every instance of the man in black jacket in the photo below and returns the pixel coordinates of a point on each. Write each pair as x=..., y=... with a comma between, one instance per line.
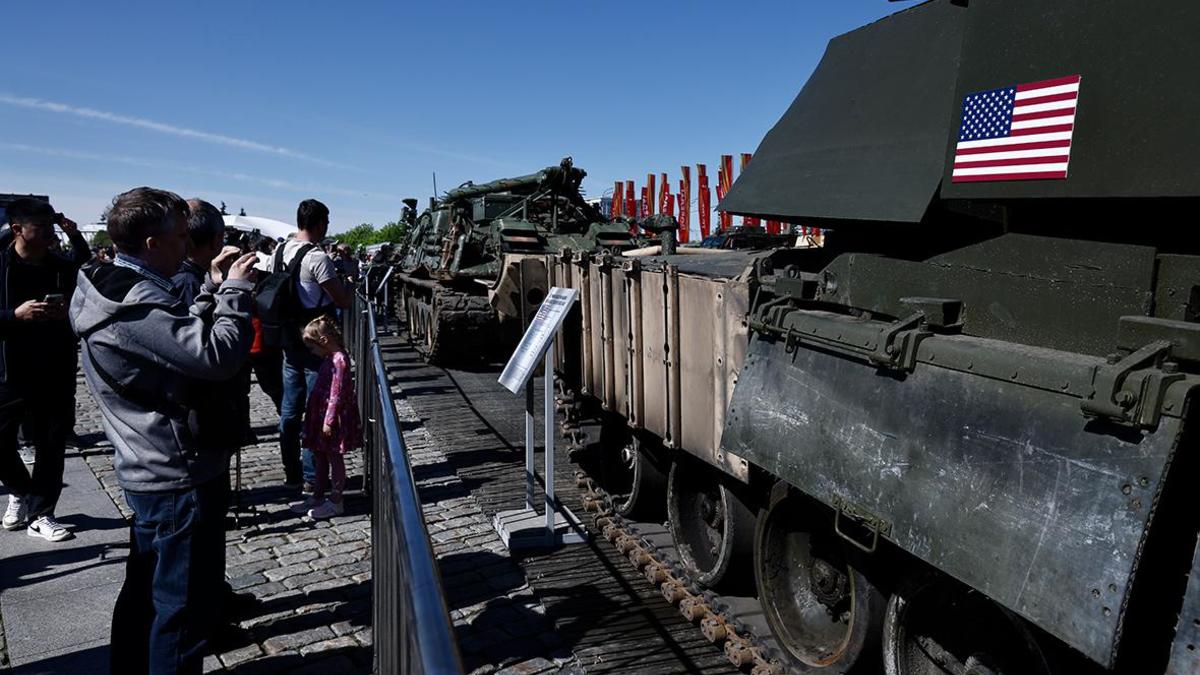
x=37, y=363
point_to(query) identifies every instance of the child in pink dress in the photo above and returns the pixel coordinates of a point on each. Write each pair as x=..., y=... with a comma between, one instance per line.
x=331, y=423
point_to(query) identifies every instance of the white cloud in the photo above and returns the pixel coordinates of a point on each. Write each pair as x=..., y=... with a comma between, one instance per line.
x=161, y=127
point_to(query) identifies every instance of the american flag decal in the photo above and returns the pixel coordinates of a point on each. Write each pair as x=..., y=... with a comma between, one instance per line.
x=1017, y=133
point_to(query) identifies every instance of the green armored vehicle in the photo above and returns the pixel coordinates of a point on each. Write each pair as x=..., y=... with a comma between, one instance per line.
x=470, y=252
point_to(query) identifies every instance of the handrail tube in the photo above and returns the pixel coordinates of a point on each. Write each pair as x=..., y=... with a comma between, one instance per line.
x=407, y=584
x=439, y=651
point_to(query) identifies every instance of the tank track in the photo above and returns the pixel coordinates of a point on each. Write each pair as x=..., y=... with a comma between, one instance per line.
x=463, y=327
x=745, y=648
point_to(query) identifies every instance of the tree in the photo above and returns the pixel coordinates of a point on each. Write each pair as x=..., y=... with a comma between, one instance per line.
x=101, y=240
x=366, y=235
x=242, y=212
x=223, y=211
x=355, y=237
x=392, y=233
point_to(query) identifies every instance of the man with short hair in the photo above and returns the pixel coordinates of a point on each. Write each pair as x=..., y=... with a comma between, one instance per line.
x=320, y=291
x=37, y=364
x=206, y=239
x=146, y=356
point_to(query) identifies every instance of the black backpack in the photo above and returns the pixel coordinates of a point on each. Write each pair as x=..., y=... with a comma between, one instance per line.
x=278, y=299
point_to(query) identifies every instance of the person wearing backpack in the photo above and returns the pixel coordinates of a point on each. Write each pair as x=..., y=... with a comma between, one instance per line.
x=303, y=284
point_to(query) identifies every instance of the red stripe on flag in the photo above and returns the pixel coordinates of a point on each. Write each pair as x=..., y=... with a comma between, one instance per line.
x=1048, y=99
x=1070, y=79
x=1021, y=117
x=1052, y=128
x=1011, y=162
x=1036, y=145
x=1037, y=175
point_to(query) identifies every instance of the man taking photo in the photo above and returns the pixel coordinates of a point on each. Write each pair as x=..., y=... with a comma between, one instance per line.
x=37, y=364
x=146, y=356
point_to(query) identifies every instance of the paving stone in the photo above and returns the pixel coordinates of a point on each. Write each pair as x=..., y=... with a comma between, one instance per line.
x=232, y=658
x=306, y=544
x=300, y=557
x=234, y=571
x=530, y=667
x=334, y=561
x=246, y=581
x=282, y=573
x=301, y=580
x=280, y=643
x=343, y=642
x=363, y=637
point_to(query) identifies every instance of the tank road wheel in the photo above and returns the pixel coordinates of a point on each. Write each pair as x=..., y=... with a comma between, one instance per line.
x=937, y=628
x=711, y=524
x=825, y=613
x=635, y=475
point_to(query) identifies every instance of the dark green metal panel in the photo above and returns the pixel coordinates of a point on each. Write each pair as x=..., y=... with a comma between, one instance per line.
x=1027, y=289
x=1003, y=486
x=1185, y=651
x=1135, y=127
x=865, y=137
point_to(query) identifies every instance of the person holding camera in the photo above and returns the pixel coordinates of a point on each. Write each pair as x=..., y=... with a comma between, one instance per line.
x=147, y=357
x=37, y=364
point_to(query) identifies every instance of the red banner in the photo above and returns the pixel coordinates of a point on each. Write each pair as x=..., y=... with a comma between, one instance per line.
x=649, y=195
x=618, y=200
x=665, y=203
x=724, y=181
x=685, y=204
x=703, y=201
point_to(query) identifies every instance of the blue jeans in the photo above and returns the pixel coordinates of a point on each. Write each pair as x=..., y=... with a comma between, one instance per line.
x=166, y=610
x=300, y=369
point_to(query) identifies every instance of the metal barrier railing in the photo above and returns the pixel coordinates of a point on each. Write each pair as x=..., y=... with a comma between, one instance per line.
x=411, y=624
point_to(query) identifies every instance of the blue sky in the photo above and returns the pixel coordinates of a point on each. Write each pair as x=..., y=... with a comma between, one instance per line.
x=261, y=104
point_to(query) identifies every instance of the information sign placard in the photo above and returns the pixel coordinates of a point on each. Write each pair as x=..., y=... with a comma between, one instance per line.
x=537, y=338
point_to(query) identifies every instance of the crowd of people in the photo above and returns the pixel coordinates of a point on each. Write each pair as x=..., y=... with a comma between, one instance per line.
x=171, y=328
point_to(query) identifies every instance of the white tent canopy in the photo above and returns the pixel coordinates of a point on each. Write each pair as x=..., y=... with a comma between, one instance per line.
x=274, y=229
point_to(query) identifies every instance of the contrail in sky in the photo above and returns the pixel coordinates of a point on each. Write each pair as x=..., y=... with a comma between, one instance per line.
x=169, y=166
x=160, y=127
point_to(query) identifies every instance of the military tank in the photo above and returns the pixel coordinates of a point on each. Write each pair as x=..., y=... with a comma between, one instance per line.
x=467, y=255
x=960, y=432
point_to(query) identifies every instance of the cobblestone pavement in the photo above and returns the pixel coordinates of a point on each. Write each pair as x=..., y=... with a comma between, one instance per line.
x=312, y=579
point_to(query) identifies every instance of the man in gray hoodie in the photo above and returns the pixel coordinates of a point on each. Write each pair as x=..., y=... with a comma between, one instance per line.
x=148, y=359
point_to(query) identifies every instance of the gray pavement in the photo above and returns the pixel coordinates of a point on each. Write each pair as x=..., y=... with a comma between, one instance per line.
x=311, y=579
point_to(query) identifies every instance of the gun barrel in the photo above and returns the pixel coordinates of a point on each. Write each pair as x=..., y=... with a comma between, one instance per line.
x=501, y=185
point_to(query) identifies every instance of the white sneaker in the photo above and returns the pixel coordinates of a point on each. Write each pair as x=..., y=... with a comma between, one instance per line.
x=14, y=515
x=305, y=506
x=49, y=529
x=28, y=454
x=327, y=510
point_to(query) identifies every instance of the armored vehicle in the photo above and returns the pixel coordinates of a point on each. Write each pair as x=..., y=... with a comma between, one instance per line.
x=468, y=254
x=961, y=431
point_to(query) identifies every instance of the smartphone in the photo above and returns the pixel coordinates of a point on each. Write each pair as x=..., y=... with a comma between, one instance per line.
x=54, y=298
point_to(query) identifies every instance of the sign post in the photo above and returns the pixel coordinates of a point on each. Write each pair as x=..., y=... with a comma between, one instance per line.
x=523, y=528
